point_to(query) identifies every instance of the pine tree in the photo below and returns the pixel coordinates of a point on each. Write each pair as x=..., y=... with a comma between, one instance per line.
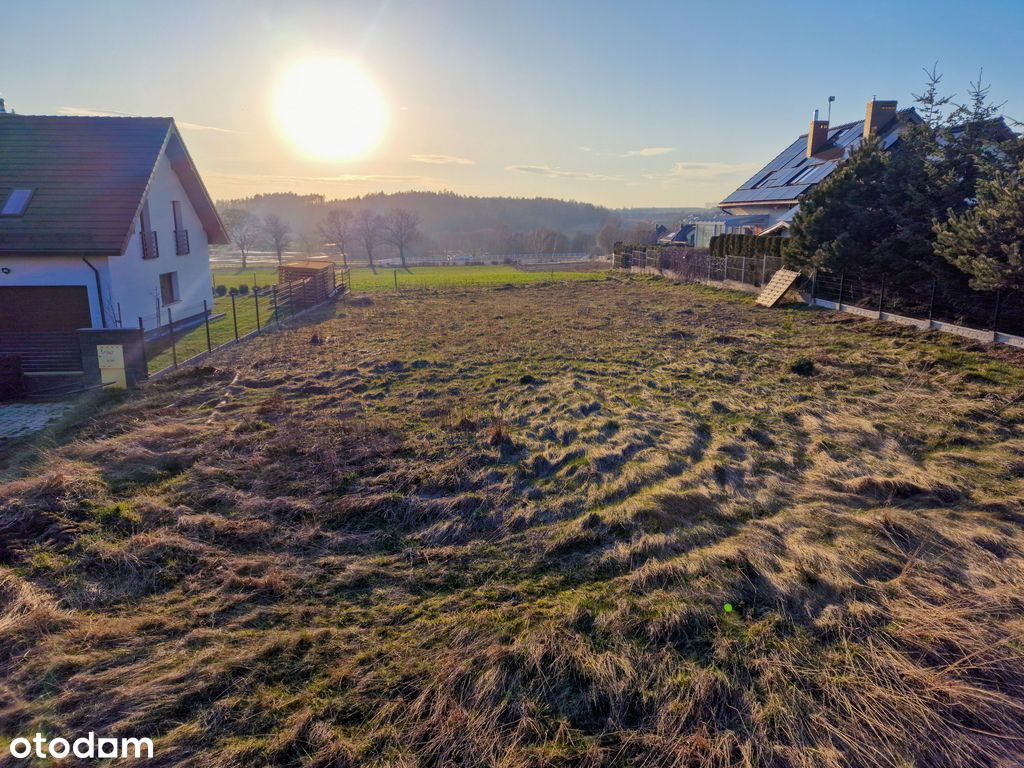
x=841, y=221
x=987, y=240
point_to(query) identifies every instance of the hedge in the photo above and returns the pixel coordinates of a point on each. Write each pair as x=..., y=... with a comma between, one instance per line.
x=750, y=246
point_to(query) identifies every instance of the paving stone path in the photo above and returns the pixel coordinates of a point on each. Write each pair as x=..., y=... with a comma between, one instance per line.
x=21, y=419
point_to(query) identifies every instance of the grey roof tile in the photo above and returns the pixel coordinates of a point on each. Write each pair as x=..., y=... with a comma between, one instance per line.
x=89, y=175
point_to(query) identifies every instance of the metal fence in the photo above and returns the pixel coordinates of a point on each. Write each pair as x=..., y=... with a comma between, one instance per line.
x=924, y=299
x=695, y=265
x=233, y=318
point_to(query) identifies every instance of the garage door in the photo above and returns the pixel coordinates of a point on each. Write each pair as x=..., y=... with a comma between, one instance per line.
x=31, y=308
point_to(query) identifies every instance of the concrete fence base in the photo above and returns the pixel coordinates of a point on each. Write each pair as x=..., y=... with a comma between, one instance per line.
x=975, y=334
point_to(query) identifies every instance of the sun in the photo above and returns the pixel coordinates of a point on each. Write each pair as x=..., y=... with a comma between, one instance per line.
x=329, y=108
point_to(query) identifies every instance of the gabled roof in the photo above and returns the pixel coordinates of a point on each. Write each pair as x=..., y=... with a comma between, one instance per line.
x=681, y=235
x=792, y=174
x=89, y=177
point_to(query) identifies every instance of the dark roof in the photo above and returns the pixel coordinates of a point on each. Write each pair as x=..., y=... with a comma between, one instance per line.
x=792, y=174
x=89, y=176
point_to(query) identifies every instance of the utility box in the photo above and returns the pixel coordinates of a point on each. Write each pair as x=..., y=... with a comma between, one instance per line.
x=111, y=360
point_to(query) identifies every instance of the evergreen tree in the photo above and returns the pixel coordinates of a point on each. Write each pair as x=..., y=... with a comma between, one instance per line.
x=842, y=220
x=987, y=240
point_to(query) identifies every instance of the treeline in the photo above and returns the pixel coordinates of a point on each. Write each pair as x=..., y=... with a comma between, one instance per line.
x=446, y=221
x=944, y=206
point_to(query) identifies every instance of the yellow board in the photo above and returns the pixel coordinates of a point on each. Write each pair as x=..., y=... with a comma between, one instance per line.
x=781, y=282
x=111, y=359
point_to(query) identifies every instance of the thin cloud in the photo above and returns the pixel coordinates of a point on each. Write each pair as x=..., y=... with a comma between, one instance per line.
x=442, y=160
x=87, y=112
x=346, y=178
x=703, y=172
x=557, y=173
x=201, y=127
x=649, y=151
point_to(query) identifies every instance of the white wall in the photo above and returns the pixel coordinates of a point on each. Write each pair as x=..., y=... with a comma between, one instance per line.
x=136, y=281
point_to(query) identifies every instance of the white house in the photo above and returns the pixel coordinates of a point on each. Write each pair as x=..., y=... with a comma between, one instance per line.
x=103, y=221
x=771, y=197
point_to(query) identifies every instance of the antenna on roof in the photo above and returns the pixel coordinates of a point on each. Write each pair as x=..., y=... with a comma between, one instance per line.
x=830, y=100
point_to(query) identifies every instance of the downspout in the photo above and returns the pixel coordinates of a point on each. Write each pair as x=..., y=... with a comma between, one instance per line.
x=99, y=291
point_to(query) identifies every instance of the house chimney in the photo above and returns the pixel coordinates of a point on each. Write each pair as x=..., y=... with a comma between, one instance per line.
x=2, y=109
x=817, y=135
x=878, y=115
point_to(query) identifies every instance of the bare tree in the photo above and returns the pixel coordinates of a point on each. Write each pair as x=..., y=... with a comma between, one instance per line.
x=243, y=229
x=278, y=234
x=310, y=243
x=336, y=228
x=399, y=228
x=368, y=229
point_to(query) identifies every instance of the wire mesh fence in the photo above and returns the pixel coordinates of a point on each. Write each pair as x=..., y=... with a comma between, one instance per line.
x=924, y=299
x=231, y=318
x=694, y=265
x=920, y=297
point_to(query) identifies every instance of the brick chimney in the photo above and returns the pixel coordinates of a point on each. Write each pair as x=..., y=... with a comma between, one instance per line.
x=878, y=115
x=817, y=135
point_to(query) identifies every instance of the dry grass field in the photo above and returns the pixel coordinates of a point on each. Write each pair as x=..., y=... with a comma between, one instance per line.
x=612, y=523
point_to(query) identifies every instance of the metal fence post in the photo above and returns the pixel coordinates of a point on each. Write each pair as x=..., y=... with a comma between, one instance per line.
x=396, y=279
x=725, y=269
x=814, y=286
x=145, y=359
x=764, y=266
x=881, y=297
x=256, y=298
x=709, y=267
x=273, y=297
x=234, y=316
x=995, y=319
x=842, y=281
x=206, y=320
x=931, y=303
x=174, y=346
x=743, y=269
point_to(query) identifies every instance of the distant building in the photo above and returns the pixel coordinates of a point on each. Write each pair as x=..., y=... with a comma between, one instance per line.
x=773, y=193
x=104, y=221
x=682, y=236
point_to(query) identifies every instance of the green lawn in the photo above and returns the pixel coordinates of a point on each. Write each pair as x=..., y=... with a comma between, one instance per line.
x=364, y=279
x=221, y=329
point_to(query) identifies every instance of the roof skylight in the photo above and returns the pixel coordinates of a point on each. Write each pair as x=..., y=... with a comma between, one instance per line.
x=16, y=202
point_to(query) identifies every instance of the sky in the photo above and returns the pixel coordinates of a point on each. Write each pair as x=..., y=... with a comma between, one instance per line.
x=624, y=104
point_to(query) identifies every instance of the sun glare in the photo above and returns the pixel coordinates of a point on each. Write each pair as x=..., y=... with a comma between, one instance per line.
x=329, y=108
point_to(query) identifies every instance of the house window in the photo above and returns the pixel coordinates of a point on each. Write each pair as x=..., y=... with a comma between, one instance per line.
x=150, y=245
x=169, y=288
x=16, y=202
x=181, y=244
